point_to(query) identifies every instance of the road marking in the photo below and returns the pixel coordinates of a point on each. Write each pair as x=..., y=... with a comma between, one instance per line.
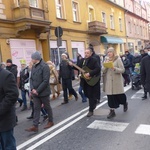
x=143, y=129
x=52, y=128
x=61, y=129
x=109, y=126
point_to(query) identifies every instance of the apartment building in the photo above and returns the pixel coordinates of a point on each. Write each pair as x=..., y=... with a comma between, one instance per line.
x=24, y=28
x=136, y=25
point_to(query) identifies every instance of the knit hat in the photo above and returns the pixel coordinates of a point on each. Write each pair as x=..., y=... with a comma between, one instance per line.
x=36, y=56
x=9, y=61
x=63, y=54
x=22, y=62
x=111, y=49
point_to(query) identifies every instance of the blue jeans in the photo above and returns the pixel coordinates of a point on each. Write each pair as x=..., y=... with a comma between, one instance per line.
x=7, y=140
x=23, y=94
x=84, y=98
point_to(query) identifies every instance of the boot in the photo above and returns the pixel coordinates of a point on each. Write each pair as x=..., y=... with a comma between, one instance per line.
x=49, y=124
x=58, y=93
x=53, y=98
x=144, y=97
x=125, y=107
x=111, y=114
x=32, y=129
x=90, y=114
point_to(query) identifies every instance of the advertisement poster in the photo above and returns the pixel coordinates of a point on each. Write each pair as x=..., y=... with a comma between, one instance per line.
x=21, y=49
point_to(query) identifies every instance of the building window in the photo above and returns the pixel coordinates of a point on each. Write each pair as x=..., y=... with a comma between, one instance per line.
x=104, y=18
x=112, y=22
x=59, y=9
x=91, y=14
x=75, y=11
x=129, y=27
x=120, y=24
x=33, y=3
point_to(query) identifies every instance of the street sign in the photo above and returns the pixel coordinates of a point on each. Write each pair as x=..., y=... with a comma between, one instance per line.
x=58, y=32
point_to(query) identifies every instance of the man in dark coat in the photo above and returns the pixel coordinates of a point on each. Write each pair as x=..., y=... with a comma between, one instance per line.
x=12, y=68
x=144, y=53
x=131, y=58
x=98, y=89
x=40, y=90
x=89, y=90
x=145, y=73
x=65, y=73
x=8, y=98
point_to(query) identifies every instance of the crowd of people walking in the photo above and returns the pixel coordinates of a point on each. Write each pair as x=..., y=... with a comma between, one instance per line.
x=38, y=80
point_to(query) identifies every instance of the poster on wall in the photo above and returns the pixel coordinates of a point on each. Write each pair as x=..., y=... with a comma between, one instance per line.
x=21, y=49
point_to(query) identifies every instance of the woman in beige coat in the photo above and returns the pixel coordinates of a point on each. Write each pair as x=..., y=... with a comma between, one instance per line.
x=54, y=80
x=113, y=82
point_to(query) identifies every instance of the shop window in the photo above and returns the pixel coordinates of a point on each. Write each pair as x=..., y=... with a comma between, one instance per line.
x=74, y=53
x=54, y=55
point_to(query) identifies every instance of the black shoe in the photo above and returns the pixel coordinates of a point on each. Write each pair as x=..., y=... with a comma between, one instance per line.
x=30, y=117
x=125, y=107
x=64, y=103
x=20, y=103
x=111, y=114
x=90, y=114
x=144, y=97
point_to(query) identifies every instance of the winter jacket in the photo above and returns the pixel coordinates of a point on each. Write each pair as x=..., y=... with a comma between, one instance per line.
x=145, y=72
x=8, y=97
x=112, y=79
x=13, y=70
x=39, y=80
x=24, y=78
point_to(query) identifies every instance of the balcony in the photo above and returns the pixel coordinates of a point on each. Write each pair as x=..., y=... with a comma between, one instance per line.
x=96, y=27
x=26, y=17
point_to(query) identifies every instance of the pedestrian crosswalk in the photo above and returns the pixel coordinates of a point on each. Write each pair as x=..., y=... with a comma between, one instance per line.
x=142, y=129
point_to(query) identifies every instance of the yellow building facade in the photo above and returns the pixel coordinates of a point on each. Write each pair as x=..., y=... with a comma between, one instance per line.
x=24, y=28
x=27, y=26
x=86, y=22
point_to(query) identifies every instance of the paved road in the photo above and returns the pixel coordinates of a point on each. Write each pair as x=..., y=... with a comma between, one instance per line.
x=74, y=131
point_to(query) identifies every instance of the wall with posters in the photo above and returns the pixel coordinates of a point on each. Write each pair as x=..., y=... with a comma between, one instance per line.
x=21, y=49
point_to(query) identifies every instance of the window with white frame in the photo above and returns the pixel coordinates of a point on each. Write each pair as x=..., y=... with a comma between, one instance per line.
x=18, y=2
x=112, y=26
x=75, y=8
x=91, y=14
x=33, y=3
x=120, y=24
x=104, y=18
x=59, y=9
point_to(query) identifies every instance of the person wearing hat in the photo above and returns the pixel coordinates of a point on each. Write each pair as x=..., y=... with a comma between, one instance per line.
x=40, y=91
x=24, y=78
x=113, y=83
x=65, y=74
x=3, y=65
x=12, y=68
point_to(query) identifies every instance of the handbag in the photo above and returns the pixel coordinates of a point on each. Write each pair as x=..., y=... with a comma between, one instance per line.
x=53, y=80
